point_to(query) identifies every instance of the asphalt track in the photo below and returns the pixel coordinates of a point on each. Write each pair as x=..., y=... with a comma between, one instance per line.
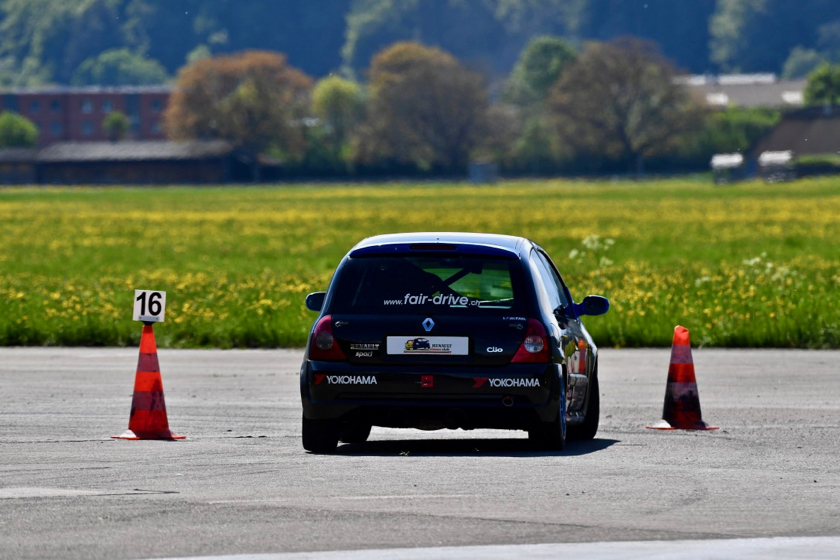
x=766, y=485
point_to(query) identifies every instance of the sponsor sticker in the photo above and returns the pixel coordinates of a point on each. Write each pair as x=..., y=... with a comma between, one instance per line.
x=432, y=345
x=345, y=379
x=448, y=300
x=509, y=382
x=514, y=382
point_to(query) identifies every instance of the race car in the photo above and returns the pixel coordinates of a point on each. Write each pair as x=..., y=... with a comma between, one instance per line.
x=417, y=344
x=449, y=330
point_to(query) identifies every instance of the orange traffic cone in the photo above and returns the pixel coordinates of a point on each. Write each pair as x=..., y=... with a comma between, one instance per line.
x=148, y=409
x=682, y=401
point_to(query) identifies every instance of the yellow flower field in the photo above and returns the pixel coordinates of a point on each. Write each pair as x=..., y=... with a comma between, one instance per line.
x=747, y=265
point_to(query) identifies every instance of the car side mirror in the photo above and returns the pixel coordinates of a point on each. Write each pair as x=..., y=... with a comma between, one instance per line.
x=315, y=301
x=592, y=305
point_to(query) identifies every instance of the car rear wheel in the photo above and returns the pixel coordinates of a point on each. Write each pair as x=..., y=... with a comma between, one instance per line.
x=355, y=433
x=551, y=436
x=320, y=436
x=589, y=428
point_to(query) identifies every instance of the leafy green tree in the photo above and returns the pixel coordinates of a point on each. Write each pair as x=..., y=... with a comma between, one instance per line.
x=619, y=99
x=828, y=41
x=492, y=33
x=116, y=125
x=310, y=32
x=254, y=100
x=538, y=148
x=736, y=129
x=17, y=131
x=199, y=52
x=532, y=18
x=468, y=28
x=119, y=67
x=47, y=40
x=801, y=62
x=823, y=85
x=539, y=67
x=758, y=35
x=500, y=139
x=425, y=109
x=340, y=104
x=679, y=27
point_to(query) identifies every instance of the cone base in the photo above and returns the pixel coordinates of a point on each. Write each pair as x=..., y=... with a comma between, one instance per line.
x=665, y=425
x=167, y=435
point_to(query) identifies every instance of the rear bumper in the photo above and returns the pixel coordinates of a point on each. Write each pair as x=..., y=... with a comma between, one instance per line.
x=513, y=397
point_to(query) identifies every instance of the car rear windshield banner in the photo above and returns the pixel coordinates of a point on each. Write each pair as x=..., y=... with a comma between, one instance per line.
x=444, y=345
x=440, y=299
x=449, y=285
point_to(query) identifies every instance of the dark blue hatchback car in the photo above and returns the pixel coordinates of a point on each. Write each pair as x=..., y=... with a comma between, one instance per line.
x=449, y=330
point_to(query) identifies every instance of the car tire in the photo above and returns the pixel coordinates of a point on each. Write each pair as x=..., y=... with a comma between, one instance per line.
x=589, y=428
x=355, y=432
x=320, y=436
x=551, y=436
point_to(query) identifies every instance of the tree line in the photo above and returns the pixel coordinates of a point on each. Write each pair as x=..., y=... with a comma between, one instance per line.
x=134, y=42
x=614, y=106
x=423, y=111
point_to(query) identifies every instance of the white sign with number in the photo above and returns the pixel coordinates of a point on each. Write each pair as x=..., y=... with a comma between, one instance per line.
x=149, y=305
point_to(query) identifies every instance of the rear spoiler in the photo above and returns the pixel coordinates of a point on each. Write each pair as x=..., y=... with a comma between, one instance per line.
x=391, y=249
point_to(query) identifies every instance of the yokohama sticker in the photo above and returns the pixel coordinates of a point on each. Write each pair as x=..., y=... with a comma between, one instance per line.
x=518, y=382
x=345, y=379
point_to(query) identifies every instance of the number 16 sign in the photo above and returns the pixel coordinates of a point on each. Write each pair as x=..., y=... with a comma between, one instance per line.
x=149, y=306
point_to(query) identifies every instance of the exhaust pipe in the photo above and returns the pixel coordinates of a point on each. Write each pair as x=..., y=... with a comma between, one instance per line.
x=507, y=400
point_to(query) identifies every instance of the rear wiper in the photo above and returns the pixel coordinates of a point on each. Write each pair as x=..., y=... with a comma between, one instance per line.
x=507, y=303
x=476, y=269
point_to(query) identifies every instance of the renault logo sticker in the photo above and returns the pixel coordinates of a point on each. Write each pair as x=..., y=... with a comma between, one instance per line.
x=428, y=324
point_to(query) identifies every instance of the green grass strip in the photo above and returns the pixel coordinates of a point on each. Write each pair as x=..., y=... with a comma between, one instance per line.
x=750, y=265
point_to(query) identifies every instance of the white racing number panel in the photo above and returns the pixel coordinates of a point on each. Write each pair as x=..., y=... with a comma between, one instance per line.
x=428, y=345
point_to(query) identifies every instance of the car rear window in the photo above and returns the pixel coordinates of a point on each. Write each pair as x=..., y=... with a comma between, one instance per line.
x=430, y=284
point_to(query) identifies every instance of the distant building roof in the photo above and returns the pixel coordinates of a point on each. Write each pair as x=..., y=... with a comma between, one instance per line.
x=747, y=90
x=18, y=155
x=727, y=79
x=58, y=89
x=134, y=151
x=812, y=130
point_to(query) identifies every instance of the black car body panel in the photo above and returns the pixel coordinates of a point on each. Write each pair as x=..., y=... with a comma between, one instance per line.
x=383, y=396
x=427, y=330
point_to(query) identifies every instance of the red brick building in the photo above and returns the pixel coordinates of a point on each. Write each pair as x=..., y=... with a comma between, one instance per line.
x=76, y=114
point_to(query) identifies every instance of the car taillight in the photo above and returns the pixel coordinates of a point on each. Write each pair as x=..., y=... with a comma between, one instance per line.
x=534, y=349
x=324, y=346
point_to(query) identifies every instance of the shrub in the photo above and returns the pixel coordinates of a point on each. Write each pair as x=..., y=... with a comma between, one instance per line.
x=17, y=131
